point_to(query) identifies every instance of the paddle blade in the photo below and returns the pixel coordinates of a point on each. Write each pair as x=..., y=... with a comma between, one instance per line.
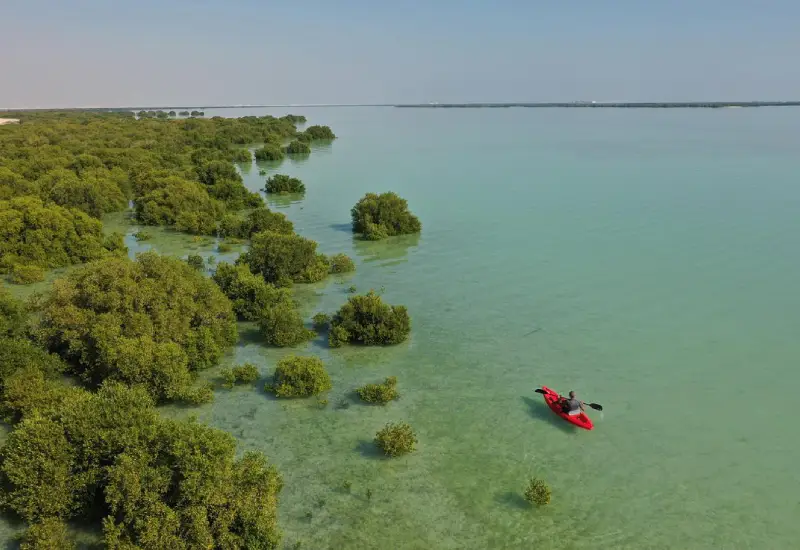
x=540, y=390
x=595, y=406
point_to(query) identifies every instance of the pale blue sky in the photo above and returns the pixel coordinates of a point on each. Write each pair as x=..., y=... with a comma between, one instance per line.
x=195, y=52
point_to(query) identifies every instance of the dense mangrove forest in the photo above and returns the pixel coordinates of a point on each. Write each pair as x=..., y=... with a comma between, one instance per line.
x=85, y=364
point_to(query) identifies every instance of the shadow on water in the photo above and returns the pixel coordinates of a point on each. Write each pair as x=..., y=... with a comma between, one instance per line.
x=324, y=146
x=17, y=524
x=298, y=158
x=353, y=398
x=249, y=334
x=540, y=411
x=512, y=500
x=343, y=227
x=387, y=251
x=367, y=449
x=321, y=342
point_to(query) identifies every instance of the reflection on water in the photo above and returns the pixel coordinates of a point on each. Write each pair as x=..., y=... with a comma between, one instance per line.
x=277, y=200
x=322, y=147
x=388, y=252
x=269, y=165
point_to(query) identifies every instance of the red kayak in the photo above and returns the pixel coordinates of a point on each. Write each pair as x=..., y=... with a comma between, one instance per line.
x=552, y=398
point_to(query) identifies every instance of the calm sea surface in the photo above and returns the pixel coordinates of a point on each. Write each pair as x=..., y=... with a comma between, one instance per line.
x=645, y=258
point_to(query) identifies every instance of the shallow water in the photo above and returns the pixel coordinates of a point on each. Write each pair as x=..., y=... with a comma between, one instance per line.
x=646, y=259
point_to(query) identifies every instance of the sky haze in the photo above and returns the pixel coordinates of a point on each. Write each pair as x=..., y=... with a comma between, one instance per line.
x=179, y=52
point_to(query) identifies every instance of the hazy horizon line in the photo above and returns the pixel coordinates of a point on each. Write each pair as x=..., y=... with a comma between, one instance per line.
x=417, y=104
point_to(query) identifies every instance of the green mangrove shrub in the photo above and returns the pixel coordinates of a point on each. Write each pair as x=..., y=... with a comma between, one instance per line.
x=269, y=152
x=366, y=319
x=341, y=263
x=297, y=147
x=246, y=373
x=249, y=293
x=47, y=534
x=152, y=482
x=298, y=376
x=285, y=258
x=396, y=439
x=179, y=203
x=537, y=492
x=142, y=236
x=374, y=232
x=196, y=261
x=152, y=322
x=317, y=132
x=282, y=326
x=274, y=309
x=47, y=235
x=224, y=183
x=256, y=221
x=179, y=173
x=281, y=183
x=242, y=374
x=379, y=393
x=26, y=274
x=379, y=216
x=241, y=156
x=13, y=316
x=228, y=379
x=321, y=320
x=87, y=186
x=25, y=373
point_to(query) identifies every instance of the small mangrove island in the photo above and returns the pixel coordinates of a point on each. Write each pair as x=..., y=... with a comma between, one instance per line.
x=281, y=183
x=378, y=216
x=365, y=319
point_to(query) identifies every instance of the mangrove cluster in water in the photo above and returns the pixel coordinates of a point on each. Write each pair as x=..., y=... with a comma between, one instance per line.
x=272, y=308
x=283, y=259
x=114, y=338
x=99, y=451
x=61, y=172
x=379, y=393
x=378, y=216
x=396, y=439
x=366, y=319
x=242, y=374
x=153, y=322
x=281, y=183
x=300, y=376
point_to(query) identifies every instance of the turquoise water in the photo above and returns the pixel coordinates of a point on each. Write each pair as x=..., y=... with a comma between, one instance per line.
x=654, y=255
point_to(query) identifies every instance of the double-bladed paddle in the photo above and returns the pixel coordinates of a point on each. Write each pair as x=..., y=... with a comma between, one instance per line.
x=595, y=406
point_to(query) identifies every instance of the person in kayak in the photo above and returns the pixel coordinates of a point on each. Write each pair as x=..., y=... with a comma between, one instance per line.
x=572, y=406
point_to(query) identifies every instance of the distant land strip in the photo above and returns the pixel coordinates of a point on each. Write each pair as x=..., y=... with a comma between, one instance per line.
x=607, y=105
x=551, y=105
